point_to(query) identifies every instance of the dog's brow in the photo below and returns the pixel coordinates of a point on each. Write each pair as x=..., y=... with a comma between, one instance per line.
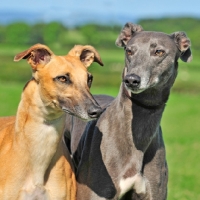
x=153, y=45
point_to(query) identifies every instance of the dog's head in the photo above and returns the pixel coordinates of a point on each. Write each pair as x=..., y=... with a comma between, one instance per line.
x=151, y=57
x=63, y=81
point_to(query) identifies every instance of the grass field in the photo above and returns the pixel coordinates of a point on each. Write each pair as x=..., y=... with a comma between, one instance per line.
x=180, y=123
x=181, y=132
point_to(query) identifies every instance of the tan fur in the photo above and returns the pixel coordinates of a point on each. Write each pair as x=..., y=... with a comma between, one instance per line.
x=34, y=163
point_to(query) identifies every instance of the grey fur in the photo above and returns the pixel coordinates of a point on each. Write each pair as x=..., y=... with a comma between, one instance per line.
x=126, y=141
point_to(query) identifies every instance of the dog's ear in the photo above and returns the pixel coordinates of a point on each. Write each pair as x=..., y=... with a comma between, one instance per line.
x=183, y=43
x=37, y=54
x=87, y=54
x=127, y=33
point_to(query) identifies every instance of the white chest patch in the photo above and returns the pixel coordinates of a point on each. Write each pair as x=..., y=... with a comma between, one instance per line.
x=137, y=182
x=36, y=193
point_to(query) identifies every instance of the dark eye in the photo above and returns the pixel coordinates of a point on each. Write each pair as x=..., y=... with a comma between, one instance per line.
x=89, y=82
x=63, y=79
x=129, y=52
x=159, y=52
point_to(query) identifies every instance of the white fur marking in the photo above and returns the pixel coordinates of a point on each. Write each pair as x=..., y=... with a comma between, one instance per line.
x=136, y=182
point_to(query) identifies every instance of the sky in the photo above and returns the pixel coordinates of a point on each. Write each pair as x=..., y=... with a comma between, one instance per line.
x=76, y=12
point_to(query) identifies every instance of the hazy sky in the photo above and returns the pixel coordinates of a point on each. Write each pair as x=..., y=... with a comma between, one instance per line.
x=78, y=11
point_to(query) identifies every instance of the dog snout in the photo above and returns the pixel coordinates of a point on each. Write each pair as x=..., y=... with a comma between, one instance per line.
x=94, y=111
x=132, y=80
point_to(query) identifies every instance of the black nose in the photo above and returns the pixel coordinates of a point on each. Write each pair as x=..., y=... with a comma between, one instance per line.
x=94, y=111
x=132, y=80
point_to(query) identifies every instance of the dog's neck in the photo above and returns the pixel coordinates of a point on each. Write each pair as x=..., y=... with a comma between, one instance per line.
x=148, y=100
x=39, y=130
x=136, y=111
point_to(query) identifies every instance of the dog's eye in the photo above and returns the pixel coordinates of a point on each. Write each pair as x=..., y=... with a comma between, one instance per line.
x=159, y=52
x=63, y=79
x=129, y=52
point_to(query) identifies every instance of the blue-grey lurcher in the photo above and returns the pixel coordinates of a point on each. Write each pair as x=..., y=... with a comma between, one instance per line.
x=121, y=155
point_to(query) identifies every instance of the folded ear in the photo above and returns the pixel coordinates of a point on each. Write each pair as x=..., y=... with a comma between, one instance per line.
x=127, y=33
x=37, y=54
x=183, y=44
x=87, y=54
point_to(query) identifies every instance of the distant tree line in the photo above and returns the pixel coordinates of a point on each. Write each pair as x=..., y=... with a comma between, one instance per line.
x=55, y=33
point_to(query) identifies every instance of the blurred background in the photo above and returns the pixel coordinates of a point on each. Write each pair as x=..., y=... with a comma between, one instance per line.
x=62, y=24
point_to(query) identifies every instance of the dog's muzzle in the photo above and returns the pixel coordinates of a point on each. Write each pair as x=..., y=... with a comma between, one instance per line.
x=94, y=112
x=132, y=81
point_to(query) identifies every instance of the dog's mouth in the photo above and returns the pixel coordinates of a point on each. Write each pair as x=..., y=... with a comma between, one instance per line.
x=80, y=116
x=68, y=111
x=135, y=90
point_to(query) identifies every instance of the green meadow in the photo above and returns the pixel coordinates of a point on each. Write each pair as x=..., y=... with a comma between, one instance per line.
x=181, y=118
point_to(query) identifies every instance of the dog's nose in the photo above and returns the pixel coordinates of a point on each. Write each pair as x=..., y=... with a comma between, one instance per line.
x=132, y=80
x=94, y=111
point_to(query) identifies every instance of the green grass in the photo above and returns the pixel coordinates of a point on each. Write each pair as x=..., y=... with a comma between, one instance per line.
x=181, y=131
x=112, y=91
x=10, y=94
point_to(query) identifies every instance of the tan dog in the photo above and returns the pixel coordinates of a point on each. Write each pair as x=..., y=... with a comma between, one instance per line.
x=33, y=162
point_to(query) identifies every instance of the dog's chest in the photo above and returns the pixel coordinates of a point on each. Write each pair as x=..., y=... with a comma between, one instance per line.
x=44, y=140
x=136, y=182
x=31, y=192
x=43, y=145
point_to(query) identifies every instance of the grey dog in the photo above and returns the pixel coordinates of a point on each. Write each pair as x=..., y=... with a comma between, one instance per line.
x=121, y=155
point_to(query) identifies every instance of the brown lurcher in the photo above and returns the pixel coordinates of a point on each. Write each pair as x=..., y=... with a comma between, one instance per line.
x=34, y=161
